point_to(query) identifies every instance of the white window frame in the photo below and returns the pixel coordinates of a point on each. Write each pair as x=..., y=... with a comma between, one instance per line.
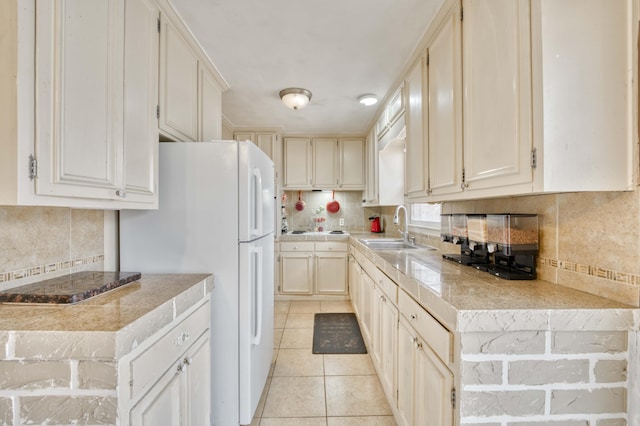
x=425, y=226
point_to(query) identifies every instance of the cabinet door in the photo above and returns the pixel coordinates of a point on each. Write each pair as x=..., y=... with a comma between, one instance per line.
x=325, y=167
x=331, y=273
x=416, y=155
x=79, y=97
x=141, y=100
x=388, y=336
x=395, y=107
x=178, y=86
x=209, y=107
x=371, y=183
x=351, y=158
x=406, y=377
x=444, y=74
x=434, y=384
x=164, y=402
x=366, y=299
x=497, y=91
x=198, y=382
x=354, y=285
x=376, y=324
x=296, y=273
x=297, y=163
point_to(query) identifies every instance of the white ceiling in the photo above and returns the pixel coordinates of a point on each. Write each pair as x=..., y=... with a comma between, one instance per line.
x=337, y=49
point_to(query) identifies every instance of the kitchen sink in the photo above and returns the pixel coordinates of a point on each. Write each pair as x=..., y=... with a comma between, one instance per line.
x=390, y=244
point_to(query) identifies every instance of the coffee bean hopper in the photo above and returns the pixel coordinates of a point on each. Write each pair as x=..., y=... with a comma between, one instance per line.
x=513, y=240
x=456, y=231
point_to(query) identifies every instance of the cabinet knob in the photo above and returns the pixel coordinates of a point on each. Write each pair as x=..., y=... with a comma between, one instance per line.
x=121, y=193
x=180, y=368
x=187, y=361
x=413, y=316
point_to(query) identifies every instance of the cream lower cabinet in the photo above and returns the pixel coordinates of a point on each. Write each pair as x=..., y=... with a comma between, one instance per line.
x=296, y=272
x=354, y=284
x=425, y=382
x=308, y=268
x=425, y=385
x=385, y=336
x=168, y=379
x=181, y=396
x=366, y=297
x=331, y=262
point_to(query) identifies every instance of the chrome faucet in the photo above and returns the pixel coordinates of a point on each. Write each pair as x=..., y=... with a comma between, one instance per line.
x=396, y=220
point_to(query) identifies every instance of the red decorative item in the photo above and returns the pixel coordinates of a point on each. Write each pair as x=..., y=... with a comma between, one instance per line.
x=299, y=203
x=333, y=206
x=375, y=225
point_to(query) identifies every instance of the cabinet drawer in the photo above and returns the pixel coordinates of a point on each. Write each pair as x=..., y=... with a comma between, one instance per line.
x=152, y=363
x=331, y=246
x=388, y=287
x=296, y=246
x=431, y=331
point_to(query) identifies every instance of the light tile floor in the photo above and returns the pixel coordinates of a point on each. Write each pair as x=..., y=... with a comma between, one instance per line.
x=318, y=390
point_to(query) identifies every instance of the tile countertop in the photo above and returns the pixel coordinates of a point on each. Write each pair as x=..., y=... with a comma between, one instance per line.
x=465, y=299
x=313, y=236
x=108, y=325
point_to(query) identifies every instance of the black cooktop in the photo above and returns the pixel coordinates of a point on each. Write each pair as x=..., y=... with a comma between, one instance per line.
x=70, y=288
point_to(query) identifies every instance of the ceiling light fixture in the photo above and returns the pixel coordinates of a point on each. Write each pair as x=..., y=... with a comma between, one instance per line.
x=368, y=99
x=295, y=98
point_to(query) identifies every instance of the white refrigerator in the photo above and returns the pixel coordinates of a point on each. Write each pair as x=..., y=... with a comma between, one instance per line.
x=216, y=215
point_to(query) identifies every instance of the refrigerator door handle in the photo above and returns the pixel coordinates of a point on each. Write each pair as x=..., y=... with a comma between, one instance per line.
x=257, y=202
x=257, y=291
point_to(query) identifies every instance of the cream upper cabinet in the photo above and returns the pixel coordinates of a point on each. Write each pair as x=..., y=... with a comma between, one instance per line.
x=416, y=167
x=141, y=98
x=209, y=106
x=351, y=160
x=178, y=85
x=394, y=108
x=585, y=64
x=85, y=81
x=511, y=117
x=190, y=88
x=297, y=163
x=79, y=118
x=269, y=142
x=370, y=195
x=444, y=109
x=497, y=88
x=324, y=163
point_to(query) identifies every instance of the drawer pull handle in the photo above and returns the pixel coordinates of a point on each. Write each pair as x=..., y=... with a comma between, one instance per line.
x=182, y=338
x=413, y=316
x=180, y=368
x=187, y=361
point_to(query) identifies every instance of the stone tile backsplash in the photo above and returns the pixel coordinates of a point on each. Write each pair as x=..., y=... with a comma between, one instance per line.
x=588, y=241
x=37, y=243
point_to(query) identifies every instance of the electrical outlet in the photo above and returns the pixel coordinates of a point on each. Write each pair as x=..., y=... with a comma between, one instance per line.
x=342, y=221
